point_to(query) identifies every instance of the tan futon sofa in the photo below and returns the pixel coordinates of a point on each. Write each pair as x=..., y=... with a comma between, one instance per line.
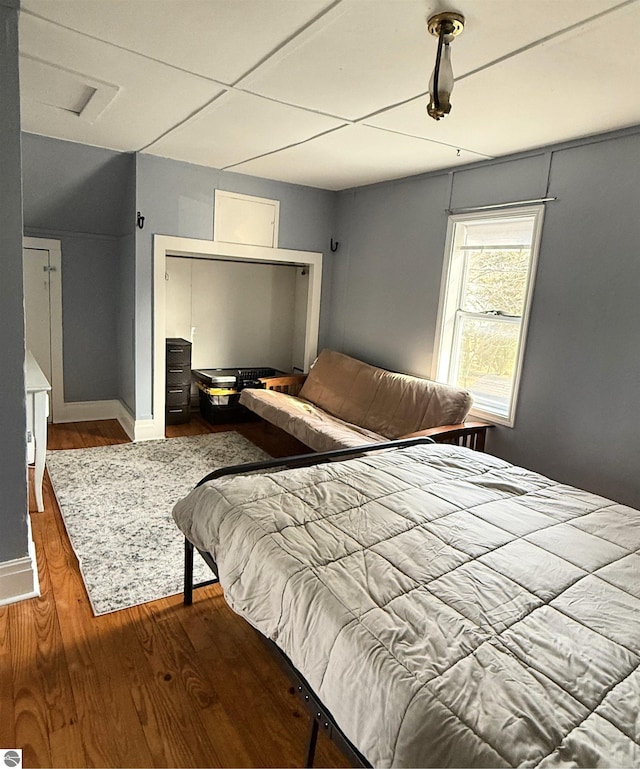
x=344, y=402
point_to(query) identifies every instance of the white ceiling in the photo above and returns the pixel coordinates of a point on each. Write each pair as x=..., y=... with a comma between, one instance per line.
x=327, y=93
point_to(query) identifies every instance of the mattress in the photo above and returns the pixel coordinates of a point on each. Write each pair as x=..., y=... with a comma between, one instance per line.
x=449, y=609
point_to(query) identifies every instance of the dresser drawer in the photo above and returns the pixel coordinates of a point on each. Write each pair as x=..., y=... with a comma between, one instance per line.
x=178, y=395
x=175, y=415
x=178, y=352
x=179, y=374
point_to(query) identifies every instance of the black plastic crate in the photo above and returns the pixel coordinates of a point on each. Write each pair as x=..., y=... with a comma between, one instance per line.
x=224, y=409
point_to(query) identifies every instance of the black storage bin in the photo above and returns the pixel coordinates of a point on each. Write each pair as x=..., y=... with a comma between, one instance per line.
x=222, y=407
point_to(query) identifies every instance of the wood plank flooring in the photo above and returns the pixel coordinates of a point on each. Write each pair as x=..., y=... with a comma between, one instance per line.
x=157, y=685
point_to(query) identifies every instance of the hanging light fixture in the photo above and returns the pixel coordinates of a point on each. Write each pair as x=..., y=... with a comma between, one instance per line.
x=445, y=26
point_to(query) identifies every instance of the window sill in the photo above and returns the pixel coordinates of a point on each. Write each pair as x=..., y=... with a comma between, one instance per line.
x=494, y=419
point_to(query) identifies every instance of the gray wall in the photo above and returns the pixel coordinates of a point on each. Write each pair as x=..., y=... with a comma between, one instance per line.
x=13, y=424
x=575, y=419
x=177, y=199
x=576, y=413
x=85, y=197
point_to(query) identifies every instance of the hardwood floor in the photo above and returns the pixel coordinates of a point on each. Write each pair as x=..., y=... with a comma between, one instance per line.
x=157, y=685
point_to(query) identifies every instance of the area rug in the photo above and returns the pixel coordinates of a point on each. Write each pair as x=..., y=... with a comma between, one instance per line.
x=116, y=502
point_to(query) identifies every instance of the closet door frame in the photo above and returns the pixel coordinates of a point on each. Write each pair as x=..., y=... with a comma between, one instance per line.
x=169, y=245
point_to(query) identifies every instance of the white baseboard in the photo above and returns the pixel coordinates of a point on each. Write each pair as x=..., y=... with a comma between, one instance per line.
x=127, y=420
x=89, y=411
x=19, y=577
x=138, y=429
x=148, y=430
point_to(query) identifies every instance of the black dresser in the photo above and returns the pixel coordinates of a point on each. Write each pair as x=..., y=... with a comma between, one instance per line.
x=178, y=392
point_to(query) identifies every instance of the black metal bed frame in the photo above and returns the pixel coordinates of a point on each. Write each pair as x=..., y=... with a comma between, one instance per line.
x=321, y=718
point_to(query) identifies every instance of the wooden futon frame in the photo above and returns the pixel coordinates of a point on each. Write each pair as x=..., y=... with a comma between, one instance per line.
x=469, y=434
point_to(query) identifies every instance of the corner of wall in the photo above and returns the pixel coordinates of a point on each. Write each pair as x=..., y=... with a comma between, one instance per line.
x=19, y=577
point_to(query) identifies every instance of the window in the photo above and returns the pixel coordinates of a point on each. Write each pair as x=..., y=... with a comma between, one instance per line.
x=484, y=306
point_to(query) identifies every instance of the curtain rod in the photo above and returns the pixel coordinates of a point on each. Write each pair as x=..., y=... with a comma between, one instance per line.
x=498, y=205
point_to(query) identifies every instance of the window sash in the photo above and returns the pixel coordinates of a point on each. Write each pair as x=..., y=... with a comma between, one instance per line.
x=492, y=391
x=451, y=315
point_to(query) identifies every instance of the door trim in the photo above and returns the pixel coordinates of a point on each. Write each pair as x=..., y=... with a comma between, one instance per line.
x=170, y=245
x=55, y=308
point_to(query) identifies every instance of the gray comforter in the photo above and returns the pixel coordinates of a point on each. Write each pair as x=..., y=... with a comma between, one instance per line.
x=449, y=609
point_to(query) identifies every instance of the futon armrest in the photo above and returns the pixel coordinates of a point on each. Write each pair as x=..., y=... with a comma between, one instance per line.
x=289, y=385
x=469, y=434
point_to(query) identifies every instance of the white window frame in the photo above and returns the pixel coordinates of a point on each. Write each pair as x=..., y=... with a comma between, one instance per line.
x=450, y=300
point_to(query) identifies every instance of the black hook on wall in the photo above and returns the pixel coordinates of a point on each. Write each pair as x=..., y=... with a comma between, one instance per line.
x=334, y=246
x=140, y=220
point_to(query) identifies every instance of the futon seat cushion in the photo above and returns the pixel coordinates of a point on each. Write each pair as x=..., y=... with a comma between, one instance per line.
x=305, y=421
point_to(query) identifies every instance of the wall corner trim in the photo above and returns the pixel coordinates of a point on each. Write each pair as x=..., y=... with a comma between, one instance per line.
x=19, y=577
x=147, y=430
x=138, y=429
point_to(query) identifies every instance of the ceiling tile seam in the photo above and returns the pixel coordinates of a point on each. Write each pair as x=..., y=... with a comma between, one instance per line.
x=285, y=103
x=552, y=36
x=131, y=51
x=197, y=112
x=426, y=139
x=289, y=41
x=182, y=122
x=286, y=147
x=338, y=128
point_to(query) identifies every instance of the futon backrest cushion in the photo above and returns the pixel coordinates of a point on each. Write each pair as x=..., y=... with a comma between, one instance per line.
x=382, y=401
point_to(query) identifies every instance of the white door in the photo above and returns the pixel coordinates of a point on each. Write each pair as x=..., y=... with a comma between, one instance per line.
x=43, y=310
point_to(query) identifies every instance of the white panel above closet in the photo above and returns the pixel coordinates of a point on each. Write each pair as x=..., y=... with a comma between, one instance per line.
x=245, y=219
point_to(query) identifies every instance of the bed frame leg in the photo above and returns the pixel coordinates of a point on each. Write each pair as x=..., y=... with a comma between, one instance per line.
x=311, y=743
x=188, y=572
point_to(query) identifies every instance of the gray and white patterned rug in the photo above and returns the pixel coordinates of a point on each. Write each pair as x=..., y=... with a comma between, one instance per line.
x=116, y=502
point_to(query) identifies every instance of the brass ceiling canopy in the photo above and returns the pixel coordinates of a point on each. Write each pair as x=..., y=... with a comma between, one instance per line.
x=445, y=26
x=450, y=23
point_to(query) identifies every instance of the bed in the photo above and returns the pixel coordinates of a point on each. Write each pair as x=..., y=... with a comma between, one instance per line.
x=446, y=607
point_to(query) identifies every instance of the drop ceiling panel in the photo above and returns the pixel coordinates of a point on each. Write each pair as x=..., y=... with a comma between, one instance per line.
x=140, y=111
x=239, y=126
x=355, y=155
x=363, y=56
x=220, y=39
x=540, y=96
x=525, y=78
